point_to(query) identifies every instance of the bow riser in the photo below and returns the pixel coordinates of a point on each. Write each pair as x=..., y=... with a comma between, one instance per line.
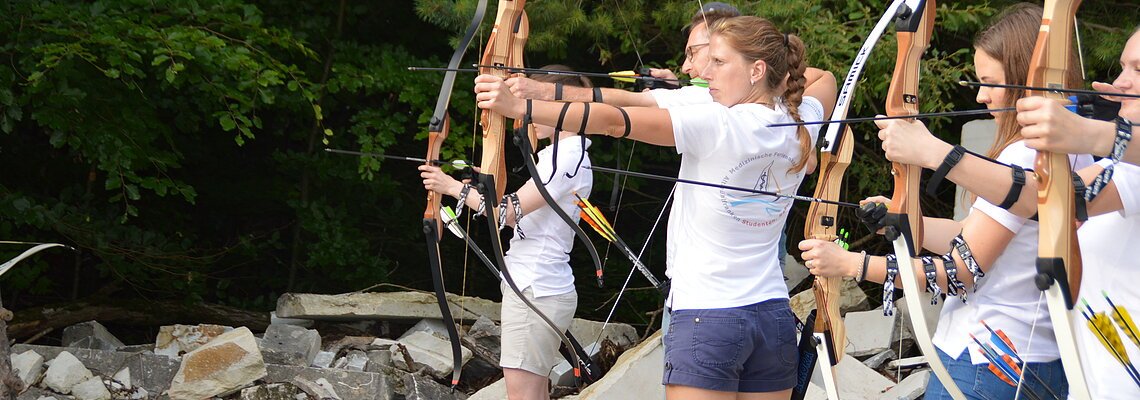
x=1058, y=255
x=823, y=224
x=510, y=25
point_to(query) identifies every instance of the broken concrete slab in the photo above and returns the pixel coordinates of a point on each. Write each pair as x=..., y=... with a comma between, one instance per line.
x=433, y=326
x=794, y=272
x=90, y=335
x=348, y=385
x=419, y=387
x=869, y=332
x=494, y=391
x=395, y=305
x=619, y=334
x=91, y=389
x=855, y=381
x=175, y=340
x=323, y=359
x=273, y=391
x=65, y=371
x=877, y=360
x=563, y=372
x=320, y=389
x=28, y=366
x=911, y=387
x=932, y=314
x=222, y=365
x=484, y=327
x=150, y=371
x=301, y=322
x=290, y=345
x=427, y=351
x=636, y=374
x=907, y=363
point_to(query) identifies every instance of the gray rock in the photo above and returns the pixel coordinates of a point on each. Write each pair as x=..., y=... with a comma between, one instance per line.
x=65, y=372
x=301, y=322
x=175, y=340
x=907, y=363
x=912, y=387
x=428, y=351
x=320, y=389
x=323, y=359
x=356, y=360
x=223, y=365
x=878, y=359
x=90, y=335
x=635, y=375
x=496, y=391
x=851, y=299
x=855, y=381
x=563, y=372
x=378, y=359
x=28, y=366
x=151, y=372
x=290, y=345
x=272, y=391
x=419, y=387
x=430, y=325
x=869, y=332
x=374, y=306
x=348, y=385
x=91, y=389
x=621, y=335
x=484, y=327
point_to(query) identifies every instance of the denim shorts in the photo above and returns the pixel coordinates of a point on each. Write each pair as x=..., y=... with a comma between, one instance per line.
x=1046, y=380
x=743, y=349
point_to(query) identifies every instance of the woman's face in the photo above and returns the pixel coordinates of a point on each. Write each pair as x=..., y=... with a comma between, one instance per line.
x=989, y=70
x=1129, y=79
x=729, y=74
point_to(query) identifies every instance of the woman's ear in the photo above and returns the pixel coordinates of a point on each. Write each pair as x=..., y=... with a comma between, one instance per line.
x=759, y=69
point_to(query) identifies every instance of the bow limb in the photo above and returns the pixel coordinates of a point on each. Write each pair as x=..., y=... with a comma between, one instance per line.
x=438, y=129
x=7, y=265
x=1058, y=255
x=836, y=151
x=914, y=27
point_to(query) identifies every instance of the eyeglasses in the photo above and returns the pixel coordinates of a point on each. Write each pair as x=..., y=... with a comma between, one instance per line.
x=691, y=51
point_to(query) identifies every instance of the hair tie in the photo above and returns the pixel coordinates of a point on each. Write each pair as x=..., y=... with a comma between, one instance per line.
x=785, y=40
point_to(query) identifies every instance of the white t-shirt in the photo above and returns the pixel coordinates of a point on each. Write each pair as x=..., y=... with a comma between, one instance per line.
x=542, y=260
x=722, y=243
x=1111, y=264
x=1006, y=298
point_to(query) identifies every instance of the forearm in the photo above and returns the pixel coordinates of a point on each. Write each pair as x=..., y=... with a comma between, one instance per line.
x=617, y=97
x=822, y=86
x=993, y=182
x=649, y=125
x=937, y=233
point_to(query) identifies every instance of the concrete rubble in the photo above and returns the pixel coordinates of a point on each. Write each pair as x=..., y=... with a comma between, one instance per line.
x=412, y=360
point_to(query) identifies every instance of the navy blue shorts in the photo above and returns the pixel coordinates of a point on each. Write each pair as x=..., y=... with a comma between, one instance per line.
x=744, y=349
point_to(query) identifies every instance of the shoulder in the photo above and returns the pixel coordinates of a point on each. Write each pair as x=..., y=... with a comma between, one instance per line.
x=1017, y=154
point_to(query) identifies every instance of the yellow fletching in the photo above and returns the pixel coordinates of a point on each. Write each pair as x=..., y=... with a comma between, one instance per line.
x=1108, y=336
x=623, y=76
x=588, y=215
x=1124, y=321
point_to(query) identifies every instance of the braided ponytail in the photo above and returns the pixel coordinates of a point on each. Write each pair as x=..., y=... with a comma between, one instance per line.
x=794, y=95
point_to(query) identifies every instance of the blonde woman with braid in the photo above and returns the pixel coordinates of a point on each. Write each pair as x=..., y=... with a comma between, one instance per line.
x=733, y=334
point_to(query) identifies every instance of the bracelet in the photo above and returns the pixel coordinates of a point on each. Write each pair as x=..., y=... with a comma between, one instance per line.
x=948, y=163
x=959, y=243
x=931, y=272
x=954, y=287
x=889, y=286
x=1119, y=145
x=1015, y=188
x=863, y=268
x=462, y=203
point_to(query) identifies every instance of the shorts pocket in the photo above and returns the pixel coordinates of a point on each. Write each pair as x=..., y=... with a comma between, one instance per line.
x=717, y=341
x=786, y=346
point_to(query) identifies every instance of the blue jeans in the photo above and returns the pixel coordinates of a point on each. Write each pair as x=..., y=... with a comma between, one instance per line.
x=978, y=382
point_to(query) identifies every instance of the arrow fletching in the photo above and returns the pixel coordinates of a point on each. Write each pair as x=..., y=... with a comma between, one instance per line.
x=1123, y=320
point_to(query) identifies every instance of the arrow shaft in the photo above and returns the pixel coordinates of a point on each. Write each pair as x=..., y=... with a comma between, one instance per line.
x=914, y=116
x=719, y=186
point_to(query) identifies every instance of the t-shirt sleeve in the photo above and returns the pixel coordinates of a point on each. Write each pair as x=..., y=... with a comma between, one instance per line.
x=812, y=110
x=571, y=162
x=688, y=95
x=1014, y=154
x=699, y=129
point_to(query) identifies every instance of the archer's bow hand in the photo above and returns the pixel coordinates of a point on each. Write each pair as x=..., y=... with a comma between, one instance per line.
x=492, y=93
x=911, y=143
x=1047, y=125
x=526, y=88
x=827, y=259
x=437, y=181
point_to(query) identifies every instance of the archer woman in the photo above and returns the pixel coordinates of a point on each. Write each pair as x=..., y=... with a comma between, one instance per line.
x=732, y=330
x=539, y=255
x=989, y=257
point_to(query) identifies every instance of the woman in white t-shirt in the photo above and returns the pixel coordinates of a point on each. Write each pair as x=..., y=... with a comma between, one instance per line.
x=732, y=329
x=539, y=255
x=997, y=288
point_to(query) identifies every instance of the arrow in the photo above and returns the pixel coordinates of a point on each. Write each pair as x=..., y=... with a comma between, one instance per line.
x=719, y=186
x=620, y=76
x=594, y=217
x=1048, y=89
x=454, y=163
x=1123, y=320
x=999, y=339
x=1100, y=324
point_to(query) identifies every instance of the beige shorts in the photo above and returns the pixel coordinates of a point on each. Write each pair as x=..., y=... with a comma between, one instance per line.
x=528, y=343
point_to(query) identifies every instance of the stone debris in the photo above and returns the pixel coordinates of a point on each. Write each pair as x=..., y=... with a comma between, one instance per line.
x=64, y=373
x=28, y=366
x=90, y=335
x=380, y=306
x=400, y=361
x=175, y=340
x=222, y=365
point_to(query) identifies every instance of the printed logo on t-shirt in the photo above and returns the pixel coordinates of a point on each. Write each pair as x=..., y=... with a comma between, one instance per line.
x=767, y=172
